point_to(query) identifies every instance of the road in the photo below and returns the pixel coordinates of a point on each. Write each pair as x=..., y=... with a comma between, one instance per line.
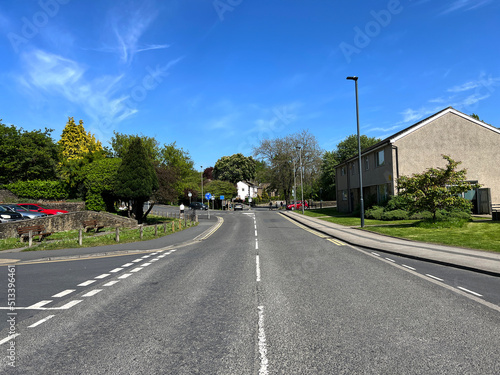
x=260, y=295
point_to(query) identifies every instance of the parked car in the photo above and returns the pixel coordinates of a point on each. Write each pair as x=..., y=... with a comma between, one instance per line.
x=198, y=206
x=23, y=211
x=7, y=215
x=238, y=206
x=37, y=208
x=297, y=205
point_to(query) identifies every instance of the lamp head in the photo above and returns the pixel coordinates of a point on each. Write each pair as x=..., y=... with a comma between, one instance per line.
x=354, y=78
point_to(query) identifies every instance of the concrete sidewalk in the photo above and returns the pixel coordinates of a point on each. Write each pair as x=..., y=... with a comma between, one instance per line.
x=475, y=260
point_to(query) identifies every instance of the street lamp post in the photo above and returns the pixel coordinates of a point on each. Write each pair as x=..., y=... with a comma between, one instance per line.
x=301, y=182
x=355, y=79
x=201, y=166
x=294, y=184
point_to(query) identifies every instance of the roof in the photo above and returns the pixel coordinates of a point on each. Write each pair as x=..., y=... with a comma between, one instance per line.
x=403, y=133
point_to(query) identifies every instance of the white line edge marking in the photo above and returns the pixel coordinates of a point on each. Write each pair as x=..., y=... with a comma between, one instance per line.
x=376, y=254
x=136, y=269
x=255, y=233
x=38, y=305
x=257, y=265
x=262, y=343
x=64, y=293
x=87, y=283
x=116, y=270
x=390, y=260
x=128, y=264
x=7, y=339
x=92, y=293
x=410, y=268
x=137, y=260
x=469, y=291
x=102, y=276
x=125, y=275
x=41, y=321
x=434, y=277
x=68, y=305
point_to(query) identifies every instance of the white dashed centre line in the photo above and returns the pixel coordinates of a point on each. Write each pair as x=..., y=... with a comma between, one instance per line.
x=433, y=277
x=87, y=283
x=63, y=293
x=102, y=276
x=128, y=265
x=7, y=339
x=257, y=267
x=411, y=268
x=470, y=291
x=92, y=293
x=116, y=270
x=375, y=254
x=137, y=260
x=390, y=260
x=146, y=264
x=112, y=283
x=136, y=269
x=262, y=343
x=125, y=275
x=41, y=321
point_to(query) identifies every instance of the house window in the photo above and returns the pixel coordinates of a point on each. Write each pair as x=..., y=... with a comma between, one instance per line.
x=367, y=163
x=380, y=158
x=342, y=171
x=382, y=193
x=344, y=195
x=353, y=168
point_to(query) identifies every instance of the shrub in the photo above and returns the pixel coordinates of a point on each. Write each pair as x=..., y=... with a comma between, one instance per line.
x=39, y=189
x=375, y=213
x=395, y=215
x=398, y=202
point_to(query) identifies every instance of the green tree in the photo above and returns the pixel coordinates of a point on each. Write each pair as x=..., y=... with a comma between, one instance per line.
x=100, y=180
x=349, y=147
x=136, y=179
x=234, y=168
x=75, y=142
x=121, y=142
x=27, y=155
x=218, y=188
x=437, y=189
x=168, y=180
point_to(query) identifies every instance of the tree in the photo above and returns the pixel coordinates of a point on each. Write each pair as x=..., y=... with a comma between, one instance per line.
x=100, y=179
x=234, y=168
x=121, y=142
x=282, y=155
x=136, y=179
x=75, y=142
x=225, y=188
x=349, y=147
x=327, y=179
x=437, y=189
x=27, y=155
x=168, y=179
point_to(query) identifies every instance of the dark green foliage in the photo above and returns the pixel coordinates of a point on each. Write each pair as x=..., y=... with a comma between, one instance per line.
x=218, y=188
x=234, y=168
x=398, y=202
x=26, y=155
x=136, y=179
x=38, y=189
x=349, y=146
x=395, y=215
x=100, y=178
x=375, y=213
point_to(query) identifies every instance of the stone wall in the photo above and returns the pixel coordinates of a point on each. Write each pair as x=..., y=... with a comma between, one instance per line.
x=65, y=222
x=6, y=196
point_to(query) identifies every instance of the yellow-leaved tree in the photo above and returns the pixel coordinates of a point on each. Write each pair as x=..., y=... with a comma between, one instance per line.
x=75, y=142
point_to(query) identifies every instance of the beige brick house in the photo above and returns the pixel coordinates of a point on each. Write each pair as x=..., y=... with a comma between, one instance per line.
x=419, y=147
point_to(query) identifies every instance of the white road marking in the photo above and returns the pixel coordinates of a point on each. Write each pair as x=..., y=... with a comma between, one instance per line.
x=128, y=265
x=68, y=305
x=257, y=265
x=41, y=321
x=434, y=277
x=125, y=275
x=112, y=283
x=7, y=339
x=375, y=254
x=146, y=264
x=136, y=269
x=92, y=293
x=155, y=260
x=146, y=256
x=262, y=343
x=87, y=283
x=63, y=293
x=411, y=268
x=256, y=233
x=256, y=244
x=137, y=260
x=162, y=256
x=116, y=270
x=102, y=276
x=38, y=305
x=391, y=260
x=470, y=291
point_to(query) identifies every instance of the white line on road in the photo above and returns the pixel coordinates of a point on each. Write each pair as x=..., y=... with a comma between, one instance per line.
x=92, y=293
x=256, y=233
x=128, y=265
x=375, y=254
x=38, y=305
x=262, y=343
x=137, y=260
x=102, y=276
x=256, y=244
x=434, y=277
x=41, y=321
x=257, y=265
x=136, y=269
x=411, y=268
x=146, y=256
x=116, y=270
x=470, y=291
x=390, y=260
x=68, y=305
x=7, y=339
x=63, y=293
x=112, y=283
x=87, y=283
x=146, y=264
x=125, y=275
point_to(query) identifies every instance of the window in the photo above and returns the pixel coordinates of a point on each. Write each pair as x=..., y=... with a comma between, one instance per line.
x=380, y=158
x=382, y=193
x=344, y=195
x=342, y=171
x=353, y=168
x=367, y=163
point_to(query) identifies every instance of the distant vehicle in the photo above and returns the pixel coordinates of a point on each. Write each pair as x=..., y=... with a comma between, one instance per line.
x=7, y=215
x=37, y=208
x=24, y=212
x=198, y=206
x=297, y=205
x=238, y=206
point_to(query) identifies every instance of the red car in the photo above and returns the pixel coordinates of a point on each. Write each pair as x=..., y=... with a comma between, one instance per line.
x=297, y=205
x=37, y=208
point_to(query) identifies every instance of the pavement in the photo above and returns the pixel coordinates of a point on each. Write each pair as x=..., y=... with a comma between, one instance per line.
x=474, y=260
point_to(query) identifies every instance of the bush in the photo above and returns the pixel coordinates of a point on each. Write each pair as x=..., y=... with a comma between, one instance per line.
x=398, y=202
x=395, y=215
x=375, y=213
x=39, y=189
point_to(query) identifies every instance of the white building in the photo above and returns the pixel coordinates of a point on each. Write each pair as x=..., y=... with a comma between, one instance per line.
x=246, y=189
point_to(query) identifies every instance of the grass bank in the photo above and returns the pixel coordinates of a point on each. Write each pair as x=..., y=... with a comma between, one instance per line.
x=477, y=234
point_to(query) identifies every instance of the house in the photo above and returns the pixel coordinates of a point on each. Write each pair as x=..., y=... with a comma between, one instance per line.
x=246, y=189
x=419, y=147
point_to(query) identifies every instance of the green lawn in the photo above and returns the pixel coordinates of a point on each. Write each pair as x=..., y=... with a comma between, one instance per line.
x=478, y=234
x=106, y=236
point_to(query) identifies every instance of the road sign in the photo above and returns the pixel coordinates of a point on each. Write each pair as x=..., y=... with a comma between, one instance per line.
x=208, y=196
x=221, y=197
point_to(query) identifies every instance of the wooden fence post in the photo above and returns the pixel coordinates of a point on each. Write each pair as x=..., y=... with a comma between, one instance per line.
x=117, y=236
x=140, y=230
x=30, y=238
x=156, y=230
x=173, y=227
x=80, y=237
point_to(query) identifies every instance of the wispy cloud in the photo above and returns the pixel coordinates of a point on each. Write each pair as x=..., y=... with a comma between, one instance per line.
x=464, y=5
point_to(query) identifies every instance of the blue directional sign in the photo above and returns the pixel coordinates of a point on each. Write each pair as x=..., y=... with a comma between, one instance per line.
x=221, y=197
x=208, y=196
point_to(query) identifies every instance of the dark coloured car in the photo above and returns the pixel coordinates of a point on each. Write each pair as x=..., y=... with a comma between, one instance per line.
x=7, y=215
x=198, y=206
x=37, y=208
x=24, y=212
x=238, y=206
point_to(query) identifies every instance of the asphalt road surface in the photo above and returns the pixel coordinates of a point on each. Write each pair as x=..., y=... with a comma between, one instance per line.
x=260, y=295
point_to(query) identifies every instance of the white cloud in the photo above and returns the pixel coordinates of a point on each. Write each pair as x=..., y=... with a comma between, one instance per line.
x=465, y=5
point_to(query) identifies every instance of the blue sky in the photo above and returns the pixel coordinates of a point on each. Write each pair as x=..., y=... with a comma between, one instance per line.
x=217, y=77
